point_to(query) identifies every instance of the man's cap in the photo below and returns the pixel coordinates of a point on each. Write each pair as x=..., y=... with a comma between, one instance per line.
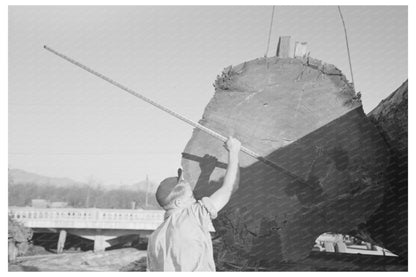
x=166, y=187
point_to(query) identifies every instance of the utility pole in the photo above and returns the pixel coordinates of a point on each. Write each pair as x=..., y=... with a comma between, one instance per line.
x=147, y=190
x=87, y=202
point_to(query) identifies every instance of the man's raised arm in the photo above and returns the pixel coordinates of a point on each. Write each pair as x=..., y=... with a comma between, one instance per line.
x=221, y=197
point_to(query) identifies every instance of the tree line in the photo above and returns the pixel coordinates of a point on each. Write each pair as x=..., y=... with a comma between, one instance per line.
x=80, y=196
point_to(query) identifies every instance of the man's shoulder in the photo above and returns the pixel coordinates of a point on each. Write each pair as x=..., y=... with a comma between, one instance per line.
x=206, y=207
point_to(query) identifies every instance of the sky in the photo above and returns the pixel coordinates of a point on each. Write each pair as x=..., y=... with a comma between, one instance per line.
x=64, y=122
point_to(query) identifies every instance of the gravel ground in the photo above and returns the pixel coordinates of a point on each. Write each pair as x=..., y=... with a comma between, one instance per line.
x=127, y=259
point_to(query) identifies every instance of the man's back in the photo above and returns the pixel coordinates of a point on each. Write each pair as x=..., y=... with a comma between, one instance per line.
x=183, y=242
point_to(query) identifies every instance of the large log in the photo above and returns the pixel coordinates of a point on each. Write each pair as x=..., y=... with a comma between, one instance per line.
x=303, y=115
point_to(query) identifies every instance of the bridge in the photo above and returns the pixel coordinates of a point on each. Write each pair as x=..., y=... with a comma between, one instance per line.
x=103, y=226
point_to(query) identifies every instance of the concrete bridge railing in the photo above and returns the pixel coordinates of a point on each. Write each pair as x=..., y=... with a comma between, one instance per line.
x=87, y=218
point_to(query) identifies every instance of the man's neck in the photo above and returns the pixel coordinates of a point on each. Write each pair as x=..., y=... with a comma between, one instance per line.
x=178, y=208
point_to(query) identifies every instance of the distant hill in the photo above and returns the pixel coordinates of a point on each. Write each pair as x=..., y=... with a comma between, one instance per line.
x=20, y=176
x=24, y=177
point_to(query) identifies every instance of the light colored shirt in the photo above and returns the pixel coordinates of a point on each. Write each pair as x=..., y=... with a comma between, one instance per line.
x=183, y=242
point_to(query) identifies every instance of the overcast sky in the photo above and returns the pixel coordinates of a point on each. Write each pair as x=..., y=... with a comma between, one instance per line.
x=64, y=122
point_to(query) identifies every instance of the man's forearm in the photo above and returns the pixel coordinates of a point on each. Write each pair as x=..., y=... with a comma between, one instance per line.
x=232, y=170
x=221, y=197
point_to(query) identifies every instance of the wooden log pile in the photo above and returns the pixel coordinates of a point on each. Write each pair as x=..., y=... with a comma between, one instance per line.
x=19, y=238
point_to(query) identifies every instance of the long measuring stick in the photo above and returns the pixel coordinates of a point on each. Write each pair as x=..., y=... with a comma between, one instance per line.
x=175, y=114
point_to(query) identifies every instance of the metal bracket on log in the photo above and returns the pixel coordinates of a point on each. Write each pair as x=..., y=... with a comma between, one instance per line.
x=301, y=49
x=283, y=47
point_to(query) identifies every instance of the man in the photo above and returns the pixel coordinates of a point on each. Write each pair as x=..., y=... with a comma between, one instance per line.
x=183, y=242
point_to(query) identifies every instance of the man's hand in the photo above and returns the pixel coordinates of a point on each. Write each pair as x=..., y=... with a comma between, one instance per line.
x=233, y=145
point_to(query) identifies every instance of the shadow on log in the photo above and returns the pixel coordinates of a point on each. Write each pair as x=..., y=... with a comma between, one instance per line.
x=274, y=218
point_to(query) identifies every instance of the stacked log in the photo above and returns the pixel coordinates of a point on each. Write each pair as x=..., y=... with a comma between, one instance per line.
x=303, y=115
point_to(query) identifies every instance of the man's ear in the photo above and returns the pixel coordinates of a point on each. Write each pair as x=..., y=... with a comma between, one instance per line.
x=180, y=175
x=178, y=202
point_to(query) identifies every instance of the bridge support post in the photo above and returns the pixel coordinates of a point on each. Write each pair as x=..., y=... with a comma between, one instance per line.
x=99, y=241
x=61, y=242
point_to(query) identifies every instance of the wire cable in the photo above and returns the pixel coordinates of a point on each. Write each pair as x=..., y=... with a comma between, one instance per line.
x=270, y=33
x=348, y=48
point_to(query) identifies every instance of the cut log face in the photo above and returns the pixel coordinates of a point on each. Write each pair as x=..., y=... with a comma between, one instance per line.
x=304, y=116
